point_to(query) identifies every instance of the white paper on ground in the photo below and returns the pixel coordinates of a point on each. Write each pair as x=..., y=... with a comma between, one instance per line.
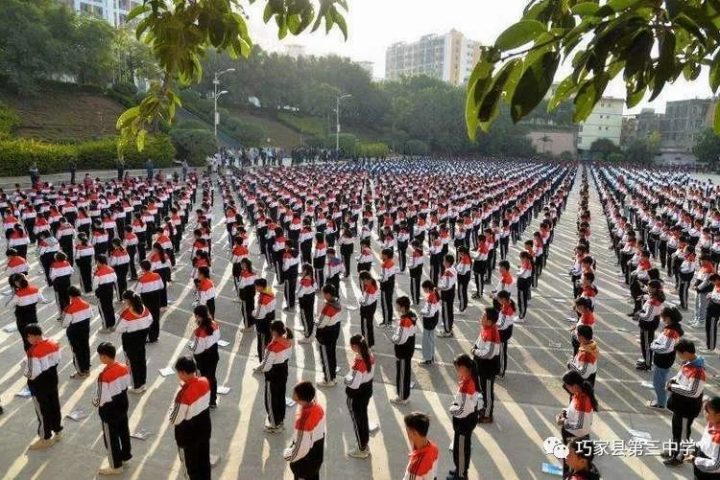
x=10, y=328
x=412, y=384
x=166, y=372
x=639, y=434
x=373, y=428
x=647, y=384
x=571, y=319
x=418, y=347
x=289, y=402
x=223, y=343
x=214, y=459
x=450, y=447
x=554, y=344
x=223, y=390
x=140, y=434
x=77, y=414
x=352, y=308
x=24, y=393
x=552, y=469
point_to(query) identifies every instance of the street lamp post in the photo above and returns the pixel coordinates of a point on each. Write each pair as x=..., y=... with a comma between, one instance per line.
x=216, y=95
x=337, y=122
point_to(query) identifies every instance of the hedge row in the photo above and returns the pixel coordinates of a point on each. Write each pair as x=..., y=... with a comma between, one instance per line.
x=17, y=155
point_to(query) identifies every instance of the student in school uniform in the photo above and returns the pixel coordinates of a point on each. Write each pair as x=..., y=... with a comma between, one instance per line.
x=480, y=265
x=415, y=266
x=524, y=283
x=318, y=258
x=580, y=460
x=24, y=301
x=464, y=415
x=368, y=305
x=111, y=400
x=238, y=253
x=686, y=398
x=246, y=293
x=365, y=257
x=104, y=281
x=76, y=321
x=576, y=420
x=430, y=312
x=306, y=451
x=404, y=341
x=60, y=278
x=15, y=263
x=486, y=353
x=463, y=269
x=506, y=282
x=134, y=323
x=43, y=357
x=705, y=456
x=586, y=316
x=119, y=260
x=347, y=241
x=274, y=366
x=387, y=286
x=190, y=418
x=150, y=287
x=334, y=269
x=663, y=348
x=327, y=332
x=205, y=290
x=263, y=315
x=648, y=321
x=290, y=262
x=506, y=319
x=585, y=359
x=686, y=273
x=423, y=458
x=47, y=247
x=204, y=347
x=131, y=243
x=447, y=285
x=306, y=299
x=702, y=286
x=359, y=390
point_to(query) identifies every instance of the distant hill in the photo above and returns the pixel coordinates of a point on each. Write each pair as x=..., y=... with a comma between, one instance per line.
x=64, y=116
x=280, y=135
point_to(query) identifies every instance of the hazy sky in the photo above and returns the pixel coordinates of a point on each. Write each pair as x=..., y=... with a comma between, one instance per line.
x=375, y=24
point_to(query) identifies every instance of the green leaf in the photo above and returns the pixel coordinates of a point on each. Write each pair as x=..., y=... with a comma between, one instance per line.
x=135, y=12
x=635, y=97
x=689, y=25
x=490, y=105
x=585, y=9
x=563, y=91
x=478, y=84
x=715, y=72
x=619, y=5
x=534, y=84
x=342, y=25
x=140, y=140
x=525, y=31
x=268, y=13
x=588, y=95
x=127, y=116
x=666, y=64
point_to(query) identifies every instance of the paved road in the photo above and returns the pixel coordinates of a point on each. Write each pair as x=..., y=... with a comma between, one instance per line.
x=528, y=398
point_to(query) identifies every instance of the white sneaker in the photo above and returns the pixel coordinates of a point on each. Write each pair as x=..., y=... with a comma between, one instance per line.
x=357, y=453
x=328, y=384
x=41, y=443
x=110, y=471
x=139, y=390
x=306, y=339
x=399, y=401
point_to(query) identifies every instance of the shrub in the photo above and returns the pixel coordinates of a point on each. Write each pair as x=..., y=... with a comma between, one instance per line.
x=17, y=155
x=8, y=121
x=250, y=134
x=374, y=150
x=190, y=125
x=193, y=145
x=416, y=147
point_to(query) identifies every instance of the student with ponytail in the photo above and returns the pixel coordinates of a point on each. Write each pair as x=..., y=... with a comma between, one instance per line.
x=133, y=327
x=464, y=415
x=359, y=390
x=706, y=456
x=506, y=319
x=368, y=305
x=306, y=299
x=204, y=346
x=274, y=366
x=486, y=353
x=575, y=421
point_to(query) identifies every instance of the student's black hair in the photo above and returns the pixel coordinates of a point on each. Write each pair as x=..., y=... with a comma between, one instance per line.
x=359, y=341
x=204, y=270
x=492, y=314
x=428, y=284
x=73, y=291
x=146, y=265
x=160, y=250
x=278, y=326
x=574, y=378
x=403, y=302
x=590, y=276
x=305, y=391
x=713, y=404
x=102, y=259
x=583, y=302
x=330, y=290
x=685, y=346
x=584, y=331
x=505, y=264
x=583, y=448
x=10, y=252
x=135, y=300
x=32, y=329
x=185, y=365
x=261, y=282
x=388, y=252
x=464, y=360
x=418, y=422
x=202, y=312
x=672, y=313
x=107, y=349
x=449, y=259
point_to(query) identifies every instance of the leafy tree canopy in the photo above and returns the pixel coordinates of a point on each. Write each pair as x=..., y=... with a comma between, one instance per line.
x=649, y=42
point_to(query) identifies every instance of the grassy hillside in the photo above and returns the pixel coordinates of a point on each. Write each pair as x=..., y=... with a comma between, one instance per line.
x=280, y=135
x=64, y=116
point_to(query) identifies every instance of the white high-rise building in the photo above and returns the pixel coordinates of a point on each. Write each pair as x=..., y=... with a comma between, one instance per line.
x=114, y=12
x=605, y=121
x=449, y=57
